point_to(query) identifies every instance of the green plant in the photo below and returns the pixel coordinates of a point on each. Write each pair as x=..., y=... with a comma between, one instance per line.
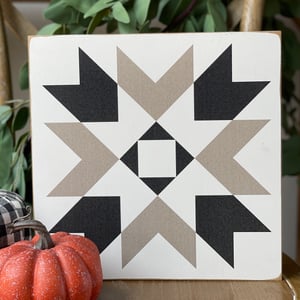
x=15, y=165
x=135, y=16
x=148, y=16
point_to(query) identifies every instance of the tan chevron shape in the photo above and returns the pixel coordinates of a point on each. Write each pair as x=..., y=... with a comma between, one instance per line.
x=218, y=157
x=96, y=159
x=158, y=218
x=155, y=97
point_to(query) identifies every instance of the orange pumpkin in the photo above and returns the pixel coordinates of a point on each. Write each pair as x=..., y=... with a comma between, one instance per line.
x=61, y=266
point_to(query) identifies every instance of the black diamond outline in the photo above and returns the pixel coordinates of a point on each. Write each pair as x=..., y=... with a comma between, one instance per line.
x=157, y=132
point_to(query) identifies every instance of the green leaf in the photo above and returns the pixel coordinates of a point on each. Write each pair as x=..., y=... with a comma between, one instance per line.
x=189, y=26
x=220, y=7
x=153, y=10
x=120, y=13
x=21, y=118
x=141, y=8
x=126, y=28
x=22, y=142
x=59, y=12
x=6, y=150
x=19, y=183
x=200, y=9
x=146, y=28
x=161, y=7
x=50, y=29
x=99, y=6
x=8, y=186
x=76, y=29
x=172, y=9
x=291, y=156
x=130, y=27
x=209, y=24
x=96, y=21
x=195, y=22
x=5, y=114
x=201, y=23
x=23, y=77
x=218, y=11
x=81, y=5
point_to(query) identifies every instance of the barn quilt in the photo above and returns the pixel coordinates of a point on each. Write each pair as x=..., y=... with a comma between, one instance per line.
x=164, y=149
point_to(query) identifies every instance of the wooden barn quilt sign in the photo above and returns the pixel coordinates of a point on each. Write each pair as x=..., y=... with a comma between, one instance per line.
x=164, y=149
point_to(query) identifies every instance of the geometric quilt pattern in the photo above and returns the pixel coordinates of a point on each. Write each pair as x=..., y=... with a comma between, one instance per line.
x=169, y=161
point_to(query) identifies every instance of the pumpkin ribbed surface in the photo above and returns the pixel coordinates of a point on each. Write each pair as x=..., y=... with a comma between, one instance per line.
x=71, y=270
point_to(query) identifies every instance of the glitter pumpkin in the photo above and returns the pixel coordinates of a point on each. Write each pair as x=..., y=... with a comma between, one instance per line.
x=57, y=266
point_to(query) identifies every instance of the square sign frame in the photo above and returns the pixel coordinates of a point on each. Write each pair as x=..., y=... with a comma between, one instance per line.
x=164, y=149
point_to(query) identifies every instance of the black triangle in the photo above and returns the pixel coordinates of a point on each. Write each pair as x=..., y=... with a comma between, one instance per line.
x=218, y=217
x=216, y=97
x=95, y=99
x=98, y=217
x=156, y=132
x=130, y=159
x=183, y=158
x=157, y=184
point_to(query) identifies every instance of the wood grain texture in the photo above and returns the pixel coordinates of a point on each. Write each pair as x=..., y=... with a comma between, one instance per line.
x=286, y=289
x=30, y=0
x=5, y=80
x=291, y=274
x=234, y=12
x=190, y=290
x=16, y=22
x=11, y=17
x=252, y=15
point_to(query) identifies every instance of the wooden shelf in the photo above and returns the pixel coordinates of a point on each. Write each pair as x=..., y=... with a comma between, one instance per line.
x=286, y=289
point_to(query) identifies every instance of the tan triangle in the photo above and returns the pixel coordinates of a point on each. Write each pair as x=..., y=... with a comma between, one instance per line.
x=218, y=157
x=158, y=218
x=155, y=97
x=96, y=159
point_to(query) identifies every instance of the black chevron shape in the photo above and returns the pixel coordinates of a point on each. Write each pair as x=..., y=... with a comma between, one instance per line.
x=218, y=217
x=99, y=218
x=95, y=99
x=216, y=97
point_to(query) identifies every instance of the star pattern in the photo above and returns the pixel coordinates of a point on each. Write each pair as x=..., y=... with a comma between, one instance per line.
x=216, y=98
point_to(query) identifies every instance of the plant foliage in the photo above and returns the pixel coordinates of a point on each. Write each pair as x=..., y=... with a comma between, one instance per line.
x=14, y=164
x=135, y=16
